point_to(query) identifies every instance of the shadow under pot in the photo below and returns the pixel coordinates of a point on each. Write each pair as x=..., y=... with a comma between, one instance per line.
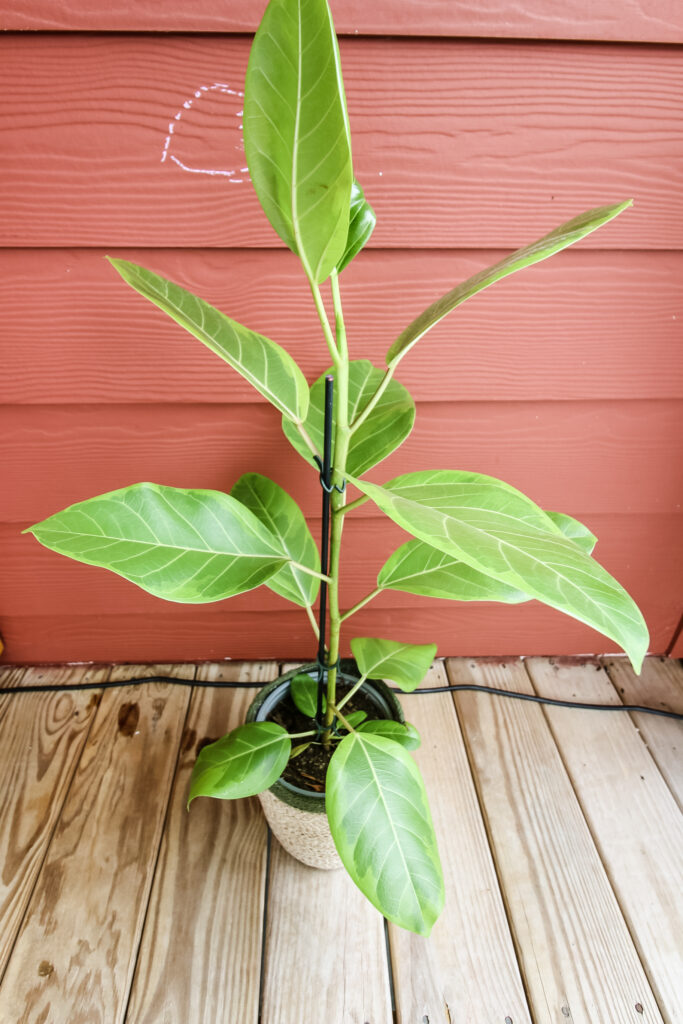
x=297, y=815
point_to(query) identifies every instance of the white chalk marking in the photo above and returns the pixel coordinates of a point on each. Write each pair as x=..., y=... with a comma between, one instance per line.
x=221, y=87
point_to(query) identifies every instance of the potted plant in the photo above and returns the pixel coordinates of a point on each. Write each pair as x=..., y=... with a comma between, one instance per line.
x=473, y=537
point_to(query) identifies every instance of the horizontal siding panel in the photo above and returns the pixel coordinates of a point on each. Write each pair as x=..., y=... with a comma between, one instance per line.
x=215, y=633
x=635, y=20
x=643, y=553
x=496, y=145
x=582, y=325
x=586, y=456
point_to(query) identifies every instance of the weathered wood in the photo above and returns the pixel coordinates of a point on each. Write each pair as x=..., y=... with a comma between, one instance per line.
x=632, y=21
x=505, y=141
x=200, y=955
x=628, y=301
x=566, y=455
x=632, y=816
x=325, y=950
x=575, y=951
x=75, y=953
x=41, y=739
x=659, y=685
x=467, y=969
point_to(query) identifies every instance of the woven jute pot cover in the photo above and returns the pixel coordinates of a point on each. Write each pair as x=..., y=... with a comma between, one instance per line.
x=296, y=816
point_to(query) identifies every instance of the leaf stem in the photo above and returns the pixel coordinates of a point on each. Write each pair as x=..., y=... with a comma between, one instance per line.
x=311, y=619
x=322, y=316
x=354, y=689
x=308, y=441
x=340, y=327
x=311, y=572
x=342, y=719
x=384, y=383
x=355, y=504
x=361, y=604
x=299, y=735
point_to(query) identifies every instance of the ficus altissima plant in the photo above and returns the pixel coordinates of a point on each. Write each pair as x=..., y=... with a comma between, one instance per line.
x=475, y=538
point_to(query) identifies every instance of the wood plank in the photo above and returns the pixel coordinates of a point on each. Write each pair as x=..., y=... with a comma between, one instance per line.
x=634, y=21
x=660, y=685
x=75, y=953
x=576, y=954
x=558, y=128
x=325, y=947
x=78, y=335
x=581, y=456
x=200, y=958
x=41, y=739
x=634, y=820
x=467, y=970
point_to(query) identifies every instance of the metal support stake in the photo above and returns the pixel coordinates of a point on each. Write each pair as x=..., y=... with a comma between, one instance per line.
x=326, y=482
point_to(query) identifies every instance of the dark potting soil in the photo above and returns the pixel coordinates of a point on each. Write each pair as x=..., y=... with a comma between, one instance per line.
x=309, y=768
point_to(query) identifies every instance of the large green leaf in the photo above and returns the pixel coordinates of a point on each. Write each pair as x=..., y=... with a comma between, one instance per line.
x=501, y=533
x=401, y=732
x=387, y=426
x=188, y=546
x=404, y=664
x=243, y=763
x=304, y=692
x=362, y=222
x=382, y=828
x=558, y=239
x=282, y=516
x=296, y=132
x=267, y=366
x=419, y=568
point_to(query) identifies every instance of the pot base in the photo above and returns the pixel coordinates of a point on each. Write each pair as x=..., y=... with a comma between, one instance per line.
x=304, y=835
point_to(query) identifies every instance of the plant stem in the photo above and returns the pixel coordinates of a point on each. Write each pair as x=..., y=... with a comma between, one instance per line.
x=310, y=572
x=311, y=619
x=384, y=383
x=349, y=695
x=343, y=721
x=322, y=316
x=355, y=504
x=299, y=735
x=308, y=441
x=364, y=601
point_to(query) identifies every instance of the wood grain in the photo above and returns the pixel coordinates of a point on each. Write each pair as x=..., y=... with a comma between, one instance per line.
x=41, y=739
x=74, y=956
x=467, y=969
x=632, y=815
x=347, y=978
x=574, y=456
x=107, y=345
x=505, y=141
x=575, y=951
x=200, y=955
x=659, y=685
x=635, y=20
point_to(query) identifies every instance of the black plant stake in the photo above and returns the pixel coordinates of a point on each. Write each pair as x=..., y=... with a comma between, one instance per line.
x=326, y=484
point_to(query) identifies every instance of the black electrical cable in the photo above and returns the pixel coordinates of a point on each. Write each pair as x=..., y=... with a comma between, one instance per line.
x=455, y=687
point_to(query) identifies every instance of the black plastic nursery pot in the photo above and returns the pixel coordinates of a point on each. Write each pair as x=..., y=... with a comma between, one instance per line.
x=296, y=815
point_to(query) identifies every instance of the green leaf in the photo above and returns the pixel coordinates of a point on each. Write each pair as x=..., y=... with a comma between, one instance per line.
x=419, y=568
x=355, y=718
x=296, y=132
x=273, y=507
x=574, y=530
x=503, y=534
x=304, y=691
x=267, y=366
x=243, y=763
x=404, y=664
x=298, y=750
x=362, y=222
x=382, y=828
x=405, y=734
x=558, y=239
x=387, y=426
x=188, y=546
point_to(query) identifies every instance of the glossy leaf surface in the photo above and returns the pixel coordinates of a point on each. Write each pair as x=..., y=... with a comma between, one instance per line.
x=501, y=533
x=407, y=735
x=387, y=426
x=296, y=132
x=404, y=664
x=355, y=718
x=382, y=829
x=304, y=691
x=266, y=365
x=362, y=222
x=560, y=238
x=281, y=515
x=574, y=530
x=181, y=545
x=243, y=763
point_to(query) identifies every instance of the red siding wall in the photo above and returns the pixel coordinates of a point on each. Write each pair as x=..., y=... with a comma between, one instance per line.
x=566, y=381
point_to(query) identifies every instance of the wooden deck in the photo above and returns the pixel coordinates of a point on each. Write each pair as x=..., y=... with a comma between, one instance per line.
x=560, y=835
